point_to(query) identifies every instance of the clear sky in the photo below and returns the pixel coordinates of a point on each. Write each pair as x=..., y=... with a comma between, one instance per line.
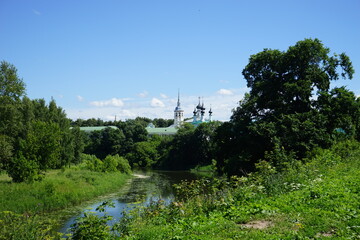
x=129, y=57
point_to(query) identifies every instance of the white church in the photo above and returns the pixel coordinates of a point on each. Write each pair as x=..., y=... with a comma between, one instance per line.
x=198, y=118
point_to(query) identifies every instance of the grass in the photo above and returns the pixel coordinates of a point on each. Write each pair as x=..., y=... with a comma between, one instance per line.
x=59, y=189
x=317, y=199
x=314, y=199
x=30, y=210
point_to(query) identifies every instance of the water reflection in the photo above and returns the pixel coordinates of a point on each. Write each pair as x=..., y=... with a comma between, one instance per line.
x=142, y=189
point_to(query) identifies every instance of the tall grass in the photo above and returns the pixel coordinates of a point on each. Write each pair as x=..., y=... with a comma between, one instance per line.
x=58, y=190
x=317, y=198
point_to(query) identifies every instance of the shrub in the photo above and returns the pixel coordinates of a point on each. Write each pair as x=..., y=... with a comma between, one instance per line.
x=92, y=163
x=345, y=148
x=25, y=227
x=21, y=169
x=109, y=164
x=123, y=165
x=91, y=226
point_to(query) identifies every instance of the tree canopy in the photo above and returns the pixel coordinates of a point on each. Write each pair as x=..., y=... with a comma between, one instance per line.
x=290, y=105
x=34, y=135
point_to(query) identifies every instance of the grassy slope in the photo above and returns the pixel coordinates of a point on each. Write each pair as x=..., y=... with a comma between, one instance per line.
x=58, y=190
x=317, y=200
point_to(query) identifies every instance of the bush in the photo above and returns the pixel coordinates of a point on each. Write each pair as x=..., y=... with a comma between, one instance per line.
x=123, y=165
x=21, y=169
x=345, y=148
x=25, y=227
x=92, y=163
x=116, y=163
x=91, y=226
x=109, y=164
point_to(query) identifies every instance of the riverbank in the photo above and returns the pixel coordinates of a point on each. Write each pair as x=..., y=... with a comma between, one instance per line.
x=25, y=207
x=315, y=199
x=59, y=189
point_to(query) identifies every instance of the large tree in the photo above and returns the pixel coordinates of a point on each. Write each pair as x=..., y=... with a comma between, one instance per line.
x=287, y=82
x=288, y=103
x=12, y=88
x=108, y=141
x=34, y=136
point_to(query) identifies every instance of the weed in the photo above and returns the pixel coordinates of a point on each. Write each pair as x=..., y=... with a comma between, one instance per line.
x=316, y=198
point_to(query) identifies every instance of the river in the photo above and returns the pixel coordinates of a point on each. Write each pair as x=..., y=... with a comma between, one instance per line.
x=141, y=189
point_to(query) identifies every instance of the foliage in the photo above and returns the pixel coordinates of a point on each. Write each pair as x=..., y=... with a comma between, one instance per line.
x=134, y=132
x=93, y=227
x=42, y=144
x=92, y=163
x=315, y=199
x=109, y=164
x=160, y=122
x=34, y=136
x=191, y=146
x=40, y=150
x=116, y=163
x=12, y=88
x=106, y=142
x=144, y=154
x=25, y=227
x=21, y=169
x=289, y=106
x=79, y=144
x=6, y=151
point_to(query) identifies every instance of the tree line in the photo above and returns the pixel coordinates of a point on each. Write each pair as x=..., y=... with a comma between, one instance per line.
x=290, y=111
x=34, y=135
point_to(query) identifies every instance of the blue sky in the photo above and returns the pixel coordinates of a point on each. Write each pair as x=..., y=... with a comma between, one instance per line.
x=129, y=58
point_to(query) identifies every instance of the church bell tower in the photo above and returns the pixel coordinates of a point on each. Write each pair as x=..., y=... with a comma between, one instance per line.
x=178, y=113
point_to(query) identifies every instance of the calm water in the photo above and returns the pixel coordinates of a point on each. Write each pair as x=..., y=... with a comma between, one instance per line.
x=143, y=188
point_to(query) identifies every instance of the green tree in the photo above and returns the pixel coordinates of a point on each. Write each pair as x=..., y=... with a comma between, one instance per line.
x=12, y=88
x=106, y=142
x=51, y=113
x=181, y=150
x=27, y=116
x=79, y=144
x=37, y=151
x=160, y=122
x=342, y=110
x=6, y=151
x=285, y=106
x=134, y=132
x=204, y=142
x=42, y=145
x=286, y=82
x=116, y=163
x=144, y=154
